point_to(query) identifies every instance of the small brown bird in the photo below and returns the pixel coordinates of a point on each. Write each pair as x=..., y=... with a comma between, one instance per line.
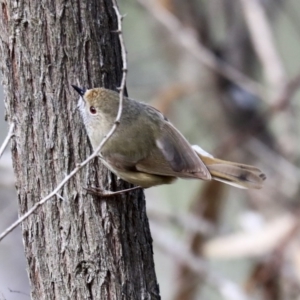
x=147, y=150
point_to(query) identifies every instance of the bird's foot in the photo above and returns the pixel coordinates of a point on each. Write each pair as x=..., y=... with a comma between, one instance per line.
x=105, y=193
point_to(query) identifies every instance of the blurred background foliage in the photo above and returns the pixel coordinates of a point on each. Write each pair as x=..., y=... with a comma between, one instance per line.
x=227, y=74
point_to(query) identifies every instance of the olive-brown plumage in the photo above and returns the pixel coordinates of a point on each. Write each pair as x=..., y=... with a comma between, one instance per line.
x=147, y=150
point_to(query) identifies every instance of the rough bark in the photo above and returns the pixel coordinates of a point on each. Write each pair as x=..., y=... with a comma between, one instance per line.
x=81, y=247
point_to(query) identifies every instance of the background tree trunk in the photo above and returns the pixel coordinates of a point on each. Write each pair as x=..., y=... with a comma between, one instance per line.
x=81, y=247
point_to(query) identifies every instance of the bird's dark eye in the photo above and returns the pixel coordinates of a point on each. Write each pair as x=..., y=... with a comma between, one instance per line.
x=93, y=110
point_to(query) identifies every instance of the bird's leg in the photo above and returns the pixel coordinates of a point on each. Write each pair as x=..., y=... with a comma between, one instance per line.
x=105, y=193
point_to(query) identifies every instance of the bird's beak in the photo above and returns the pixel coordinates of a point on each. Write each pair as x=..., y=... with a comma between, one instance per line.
x=80, y=91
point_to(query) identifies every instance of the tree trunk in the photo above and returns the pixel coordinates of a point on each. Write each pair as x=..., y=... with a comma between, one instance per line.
x=77, y=246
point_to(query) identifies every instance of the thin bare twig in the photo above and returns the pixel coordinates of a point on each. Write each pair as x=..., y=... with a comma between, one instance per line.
x=187, y=38
x=8, y=137
x=18, y=292
x=53, y=193
x=95, y=153
x=124, y=75
x=124, y=59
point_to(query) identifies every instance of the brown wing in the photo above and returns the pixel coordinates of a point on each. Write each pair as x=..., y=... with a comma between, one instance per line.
x=173, y=156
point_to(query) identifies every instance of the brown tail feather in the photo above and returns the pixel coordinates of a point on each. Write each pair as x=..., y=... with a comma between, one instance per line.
x=238, y=175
